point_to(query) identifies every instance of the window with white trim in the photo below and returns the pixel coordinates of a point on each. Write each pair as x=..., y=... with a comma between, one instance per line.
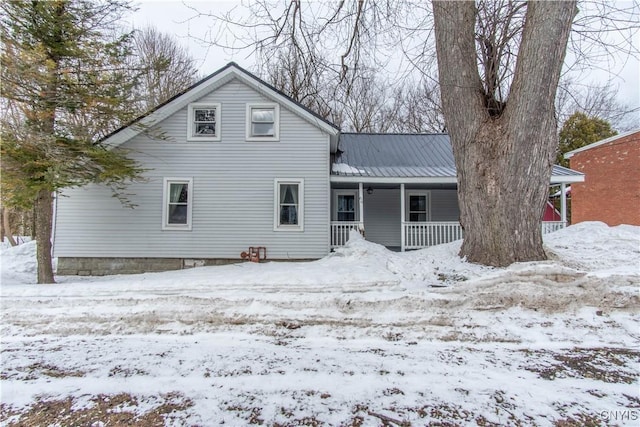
x=204, y=122
x=418, y=207
x=346, y=208
x=289, y=204
x=263, y=122
x=177, y=203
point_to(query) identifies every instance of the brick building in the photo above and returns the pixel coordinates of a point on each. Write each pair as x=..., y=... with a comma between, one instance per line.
x=611, y=190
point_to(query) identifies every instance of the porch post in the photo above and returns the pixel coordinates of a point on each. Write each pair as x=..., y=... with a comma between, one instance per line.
x=563, y=204
x=402, y=236
x=360, y=207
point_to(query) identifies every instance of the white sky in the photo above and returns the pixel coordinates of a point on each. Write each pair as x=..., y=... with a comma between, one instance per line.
x=173, y=17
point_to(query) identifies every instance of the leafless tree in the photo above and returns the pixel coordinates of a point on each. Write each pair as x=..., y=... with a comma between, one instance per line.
x=416, y=108
x=595, y=100
x=166, y=67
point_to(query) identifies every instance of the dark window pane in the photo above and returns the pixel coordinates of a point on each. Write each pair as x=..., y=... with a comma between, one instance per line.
x=205, y=128
x=346, y=216
x=177, y=214
x=205, y=115
x=289, y=193
x=289, y=215
x=346, y=203
x=417, y=217
x=417, y=203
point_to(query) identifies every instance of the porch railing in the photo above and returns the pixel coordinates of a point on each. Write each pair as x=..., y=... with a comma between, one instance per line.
x=424, y=234
x=551, y=226
x=419, y=235
x=340, y=231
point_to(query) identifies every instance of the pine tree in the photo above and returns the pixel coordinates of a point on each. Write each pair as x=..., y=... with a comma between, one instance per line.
x=64, y=72
x=580, y=130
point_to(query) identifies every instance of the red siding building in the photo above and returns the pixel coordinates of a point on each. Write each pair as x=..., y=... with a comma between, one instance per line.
x=611, y=190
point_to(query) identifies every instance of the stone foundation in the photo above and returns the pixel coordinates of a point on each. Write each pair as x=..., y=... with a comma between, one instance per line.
x=81, y=266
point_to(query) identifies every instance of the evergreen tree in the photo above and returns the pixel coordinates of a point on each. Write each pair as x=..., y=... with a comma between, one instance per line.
x=580, y=130
x=64, y=71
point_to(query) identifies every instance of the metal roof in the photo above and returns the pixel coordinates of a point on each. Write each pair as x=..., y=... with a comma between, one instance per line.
x=396, y=155
x=406, y=156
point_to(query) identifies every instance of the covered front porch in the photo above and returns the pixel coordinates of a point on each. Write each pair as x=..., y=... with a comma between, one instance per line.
x=400, y=190
x=405, y=215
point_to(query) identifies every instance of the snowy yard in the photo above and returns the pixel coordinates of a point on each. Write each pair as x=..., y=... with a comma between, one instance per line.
x=363, y=337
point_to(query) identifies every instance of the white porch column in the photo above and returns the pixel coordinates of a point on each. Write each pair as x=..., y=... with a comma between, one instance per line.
x=360, y=206
x=563, y=204
x=402, y=236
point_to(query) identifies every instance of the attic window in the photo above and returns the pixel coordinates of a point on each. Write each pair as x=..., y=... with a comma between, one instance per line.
x=204, y=122
x=263, y=122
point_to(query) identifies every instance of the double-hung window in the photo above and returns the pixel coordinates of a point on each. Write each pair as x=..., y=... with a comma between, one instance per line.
x=345, y=205
x=263, y=122
x=204, y=122
x=418, y=207
x=177, y=204
x=289, y=204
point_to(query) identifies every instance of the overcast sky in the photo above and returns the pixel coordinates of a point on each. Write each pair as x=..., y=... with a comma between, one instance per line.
x=173, y=17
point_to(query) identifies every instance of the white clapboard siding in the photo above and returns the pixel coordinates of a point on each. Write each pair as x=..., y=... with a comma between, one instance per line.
x=382, y=212
x=233, y=192
x=444, y=205
x=382, y=216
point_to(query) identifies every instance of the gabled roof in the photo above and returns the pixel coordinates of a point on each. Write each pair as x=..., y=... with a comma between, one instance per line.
x=570, y=154
x=208, y=84
x=424, y=158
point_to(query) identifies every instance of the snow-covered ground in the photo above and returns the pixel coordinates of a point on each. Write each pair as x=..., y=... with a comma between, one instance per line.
x=364, y=337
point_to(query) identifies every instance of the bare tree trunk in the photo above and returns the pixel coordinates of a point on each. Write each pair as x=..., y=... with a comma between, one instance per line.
x=43, y=222
x=503, y=159
x=6, y=227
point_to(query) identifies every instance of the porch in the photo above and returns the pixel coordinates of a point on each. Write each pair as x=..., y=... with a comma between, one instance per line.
x=400, y=191
x=419, y=235
x=404, y=216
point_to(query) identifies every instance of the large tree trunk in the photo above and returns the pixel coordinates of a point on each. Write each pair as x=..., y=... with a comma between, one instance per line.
x=43, y=222
x=503, y=159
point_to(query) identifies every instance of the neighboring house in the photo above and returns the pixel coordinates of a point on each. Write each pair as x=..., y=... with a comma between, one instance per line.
x=242, y=165
x=611, y=190
x=551, y=213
